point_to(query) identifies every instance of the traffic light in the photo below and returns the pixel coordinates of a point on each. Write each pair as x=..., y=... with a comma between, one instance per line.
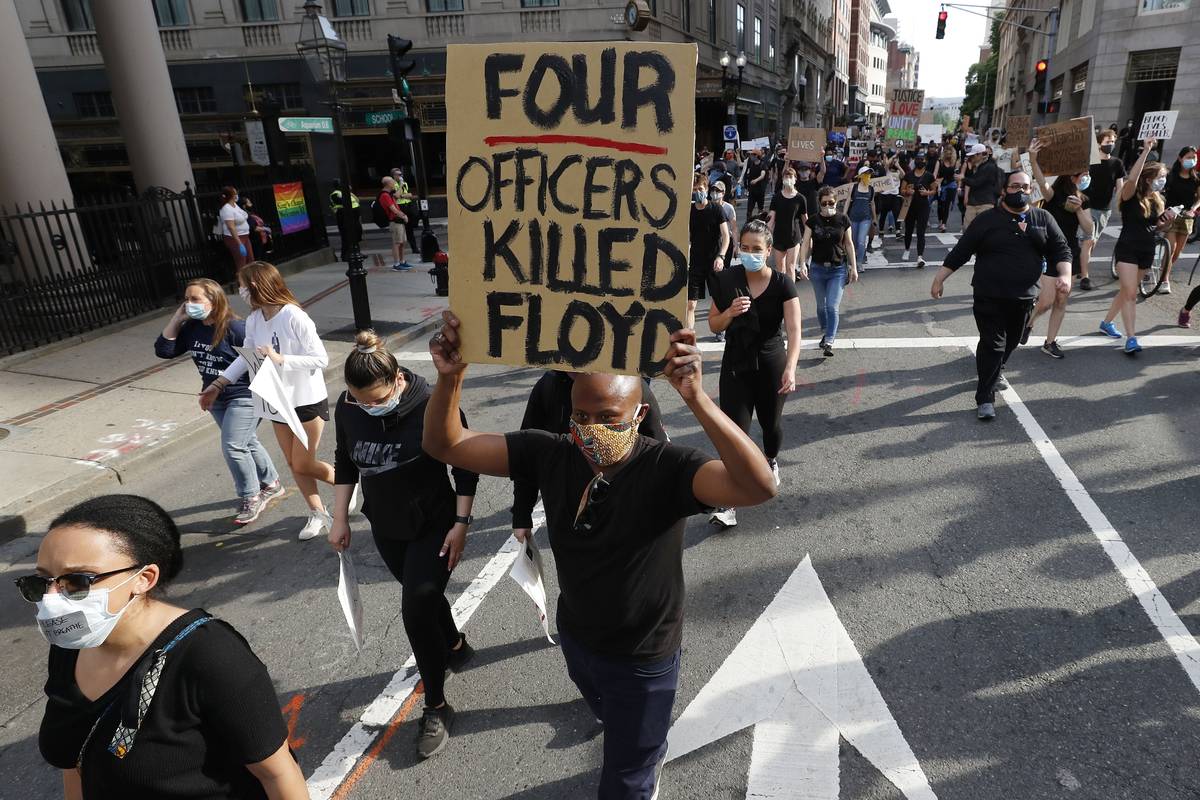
x=1041, y=67
x=401, y=66
x=941, y=28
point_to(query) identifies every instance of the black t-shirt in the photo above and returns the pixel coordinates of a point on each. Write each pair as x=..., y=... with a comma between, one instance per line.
x=1137, y=229
x=215, y=711
x=621, y=584
x=1008, y=259
x=1104, y=182
x=1067, y=221
x=1181, y=191
x=705, y=233
x=809, y=189
x=760, y=329
x=986, y=184
x=787, y=215
x=828, y=238
x=754, y=168
x=923, y=181
x=946, y=172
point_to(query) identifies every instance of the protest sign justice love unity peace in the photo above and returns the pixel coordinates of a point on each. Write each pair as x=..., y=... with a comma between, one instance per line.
x=570, y=181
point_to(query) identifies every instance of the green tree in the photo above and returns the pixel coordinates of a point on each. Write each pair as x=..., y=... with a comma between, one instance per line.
x=981, y=79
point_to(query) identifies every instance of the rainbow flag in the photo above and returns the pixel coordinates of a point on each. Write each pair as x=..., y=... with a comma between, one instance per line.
x=289, y=202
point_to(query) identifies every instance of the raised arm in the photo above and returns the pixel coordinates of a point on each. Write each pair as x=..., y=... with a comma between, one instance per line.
x=1129, y=188
x=1047, y=191
x=446, y=438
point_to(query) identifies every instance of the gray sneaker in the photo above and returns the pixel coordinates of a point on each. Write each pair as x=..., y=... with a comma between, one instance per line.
x=725, y=517
x=434, y=731
x=1002, y=383
x=269, y=493
x=251, y=507
x=987, y=411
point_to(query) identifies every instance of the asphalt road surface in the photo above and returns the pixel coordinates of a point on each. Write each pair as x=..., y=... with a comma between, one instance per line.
x=969, y=564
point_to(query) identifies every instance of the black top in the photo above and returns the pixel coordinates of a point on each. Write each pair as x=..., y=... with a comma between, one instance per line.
x=1104, y=182
x=1181, y=191
x=809, y=189
x=754, y=168
x=1067, y=221
x=946, y=173
x=787, y=215
x=828, y=239
x=215, y=711
x=760, y=329
x=985, y=182
x=621, y=584
x=549, y=409
x=923, y=181
x=1137, y=229
x=406, y=493
x=1008, y=260
x=196, y=338
x=705, y=233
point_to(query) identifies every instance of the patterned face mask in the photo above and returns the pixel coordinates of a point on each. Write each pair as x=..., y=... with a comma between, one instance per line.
x=604, y=444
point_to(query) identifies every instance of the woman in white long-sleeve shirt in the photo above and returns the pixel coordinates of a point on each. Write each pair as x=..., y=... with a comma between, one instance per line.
x=279, y=329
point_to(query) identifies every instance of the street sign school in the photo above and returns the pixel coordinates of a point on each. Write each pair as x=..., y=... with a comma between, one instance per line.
x=570, y=179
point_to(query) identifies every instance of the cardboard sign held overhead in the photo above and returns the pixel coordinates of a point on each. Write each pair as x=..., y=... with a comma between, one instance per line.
x=1159, y=124
x=904, y=113
x=1018, y=131
x=806, y=144
x=930, y=132
x=1066, y=146
x=570, y=177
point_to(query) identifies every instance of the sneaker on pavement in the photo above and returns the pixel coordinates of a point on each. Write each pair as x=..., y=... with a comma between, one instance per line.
x=920, y=262
x=827, y=349
x=317, y=521
x=907, y=256
x=434, y=731
x=402, y=266
x=1132, y=346
x=269, y=493
x=720, y=337
x=1002, y=383
x=1085, y=284
x=1165, y=288
x=725, y=517
x=774, y=464
x=1110, y=330
x=251, y=507
x=1053, y=350
x=1185, y=318
x=986, y=412
x=457, y=660
x=1025, y=334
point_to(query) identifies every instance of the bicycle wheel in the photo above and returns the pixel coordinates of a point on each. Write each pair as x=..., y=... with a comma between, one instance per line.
x=1152, y=279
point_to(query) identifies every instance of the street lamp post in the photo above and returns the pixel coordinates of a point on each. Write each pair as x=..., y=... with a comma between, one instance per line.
x=728, y=82
x=325, y=54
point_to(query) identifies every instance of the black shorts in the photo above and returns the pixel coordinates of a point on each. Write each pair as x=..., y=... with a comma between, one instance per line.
x=1143, y=258
x=310, y=412
x=698, y=278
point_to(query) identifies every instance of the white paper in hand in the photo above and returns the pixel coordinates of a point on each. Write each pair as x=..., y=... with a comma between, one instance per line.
x=268, y=387
x=527, y=572
x=348, y=596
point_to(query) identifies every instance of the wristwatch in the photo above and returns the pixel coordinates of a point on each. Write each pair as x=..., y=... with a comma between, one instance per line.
x=467, y=520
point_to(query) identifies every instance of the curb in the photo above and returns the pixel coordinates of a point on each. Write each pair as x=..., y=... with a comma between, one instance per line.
x=66, y=491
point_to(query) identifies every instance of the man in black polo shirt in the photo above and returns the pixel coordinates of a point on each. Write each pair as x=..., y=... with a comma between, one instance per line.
x=616, y=504
x=1010, y=244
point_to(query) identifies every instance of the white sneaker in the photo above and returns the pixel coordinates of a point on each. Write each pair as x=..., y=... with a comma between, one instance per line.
x=1165, y=288
x=725, y=517
x=775, y=470
x=317, y=521
x=907, y=256
x=356, y=499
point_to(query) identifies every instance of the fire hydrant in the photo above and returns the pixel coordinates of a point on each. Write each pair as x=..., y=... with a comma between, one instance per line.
x=440, y=274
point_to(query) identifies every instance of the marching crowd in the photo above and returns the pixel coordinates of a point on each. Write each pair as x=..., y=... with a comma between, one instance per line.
x=149, y=699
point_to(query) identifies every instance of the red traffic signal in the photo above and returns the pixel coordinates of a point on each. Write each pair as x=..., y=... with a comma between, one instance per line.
x=1041, y=66
x=941, y=24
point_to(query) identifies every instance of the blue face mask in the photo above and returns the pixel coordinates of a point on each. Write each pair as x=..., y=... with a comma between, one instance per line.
x=1189, y=163
x=753, y=262
x=196, y=310
x=697, y=197
x=383, y=409
x=1085, y=182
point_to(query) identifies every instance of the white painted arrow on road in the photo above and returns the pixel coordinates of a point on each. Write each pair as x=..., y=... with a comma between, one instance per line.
x=799, y=680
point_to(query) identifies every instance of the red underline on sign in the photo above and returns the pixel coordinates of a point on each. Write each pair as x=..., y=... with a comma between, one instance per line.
x=586, y=141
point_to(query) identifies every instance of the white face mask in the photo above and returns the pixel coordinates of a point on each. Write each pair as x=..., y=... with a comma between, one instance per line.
x=79, y=624
x=196, y=310
x=245, y=293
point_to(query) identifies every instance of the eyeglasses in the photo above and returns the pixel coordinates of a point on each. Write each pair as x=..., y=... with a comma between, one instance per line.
x=829, y=205
x=75, y=585
x=595, y=494
x=351, y=401
x=1019, y=187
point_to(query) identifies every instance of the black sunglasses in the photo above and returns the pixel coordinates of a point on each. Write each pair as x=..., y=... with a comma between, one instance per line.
x=74, y=585
x=597, y=493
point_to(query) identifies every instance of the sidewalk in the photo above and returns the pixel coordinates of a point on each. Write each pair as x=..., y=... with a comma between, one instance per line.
x=75, y=419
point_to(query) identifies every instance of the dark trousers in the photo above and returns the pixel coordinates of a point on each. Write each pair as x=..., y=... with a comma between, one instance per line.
x=758, y=197
x=745, y=393
x=946, y=198
x=888, y=204
x=1193, y=299
x=427, y=619
x=634, y=702
x=916, y=220
x=1001, y=321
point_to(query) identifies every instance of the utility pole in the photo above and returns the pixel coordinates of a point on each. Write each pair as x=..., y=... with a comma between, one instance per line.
x=1046, y=98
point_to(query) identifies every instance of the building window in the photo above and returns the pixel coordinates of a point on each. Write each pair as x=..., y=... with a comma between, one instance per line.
x=352, y=8
x=286, y=94
x=1153, y=65
x=195, y=100
x=758, y=39
x=94, y=104
x=172, y=13
x=78, y=15
x=712, y=21
x=524, y=4
x=771, y=47
x=442, y=6
x=739, y=35
x=260, y=10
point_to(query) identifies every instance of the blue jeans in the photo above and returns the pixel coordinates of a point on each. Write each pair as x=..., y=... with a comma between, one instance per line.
x=859, y=231
x=634, y=702
x=828, y=283
x=245, y=455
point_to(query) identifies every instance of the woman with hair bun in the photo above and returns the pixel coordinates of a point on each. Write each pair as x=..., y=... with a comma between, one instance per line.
x=146, y=699
x=419, y=522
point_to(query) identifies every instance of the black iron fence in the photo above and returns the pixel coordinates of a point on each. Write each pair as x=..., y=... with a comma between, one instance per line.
x=65, y=271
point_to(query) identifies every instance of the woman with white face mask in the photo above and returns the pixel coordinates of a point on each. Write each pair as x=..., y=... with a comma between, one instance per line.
x=205, y=326
x=788, y=208
x=145, y=698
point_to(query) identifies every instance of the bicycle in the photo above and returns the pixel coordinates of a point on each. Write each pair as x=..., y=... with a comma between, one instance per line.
x=1153, y=278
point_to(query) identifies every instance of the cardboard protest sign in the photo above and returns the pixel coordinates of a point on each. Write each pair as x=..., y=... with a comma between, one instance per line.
x=930, y=132
x=806, y=144
x=904, y=113
x=1018, y=131
x=1066, y=146
x=1095, y=145
x=761, y=143
x=1159, y=124
x=858, y=150
x=1003, y=158
x=885, y=184
x=842, y=193
x=570, y=179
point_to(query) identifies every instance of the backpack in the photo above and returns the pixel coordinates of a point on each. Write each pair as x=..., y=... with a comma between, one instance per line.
x=379, y=213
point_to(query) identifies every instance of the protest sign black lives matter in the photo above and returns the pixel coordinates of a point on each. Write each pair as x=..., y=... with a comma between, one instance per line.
x=570, y=171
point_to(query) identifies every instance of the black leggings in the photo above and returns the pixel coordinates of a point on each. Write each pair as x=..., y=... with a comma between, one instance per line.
x=427, y=619
x=916, y=219
x=888, y=204
x=1192, y=300
x=946, y=198
x=758, y=198
x=748, y=392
